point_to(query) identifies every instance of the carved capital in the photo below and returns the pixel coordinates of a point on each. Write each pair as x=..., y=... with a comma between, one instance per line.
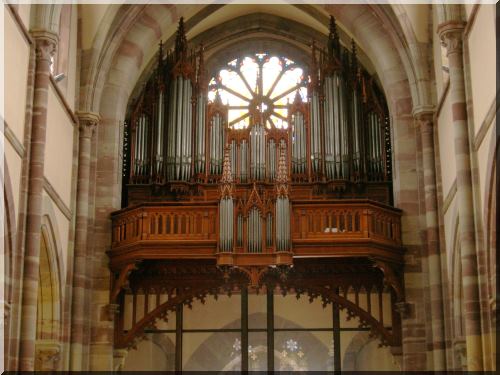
x=45, y=44
x=425, y=117
x=404, y=309
x=6, y=309
x=87, y=123
x=451, y=35
x=47, y=355
x=109, y=311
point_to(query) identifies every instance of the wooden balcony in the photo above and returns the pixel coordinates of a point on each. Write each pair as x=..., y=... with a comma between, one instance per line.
x=346, y=228
x=333, y=228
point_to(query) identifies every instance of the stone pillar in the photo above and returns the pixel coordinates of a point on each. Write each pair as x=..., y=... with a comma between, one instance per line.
x=102, y=354
x=45, y=45
x=79, y=320
x=451, y=34
x=119, y=356
x=425, y=120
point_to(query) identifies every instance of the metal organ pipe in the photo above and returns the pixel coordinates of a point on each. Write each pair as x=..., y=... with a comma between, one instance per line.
x=159, y=134
x=226, y=225
x=356, y=113
x=315, y=133
x=254, y=231
x=233, y=153
x=201, y=107
x=239, y=235
x=179, y=131
x=244, y=161
x=298, y=145
x=269, y=230
x=328, y=109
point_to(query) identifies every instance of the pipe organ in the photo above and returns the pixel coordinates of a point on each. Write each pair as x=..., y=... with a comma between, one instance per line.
x=231, y=180
x=325, y=135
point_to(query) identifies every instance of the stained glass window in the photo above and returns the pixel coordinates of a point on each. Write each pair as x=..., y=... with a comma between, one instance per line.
x=260, y=84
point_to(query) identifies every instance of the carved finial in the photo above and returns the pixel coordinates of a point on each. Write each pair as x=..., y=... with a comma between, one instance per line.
x=363, y=89
x=282, y=175
x=354, y=57
x=180, y=40
x=333, y=38
x=201, y=77
x=297, y=99
x=217, y=98
x=314, y=65
x=227, y=176
x=160, y=53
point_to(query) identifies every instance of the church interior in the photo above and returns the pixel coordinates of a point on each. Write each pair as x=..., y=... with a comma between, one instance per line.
x=249, y=187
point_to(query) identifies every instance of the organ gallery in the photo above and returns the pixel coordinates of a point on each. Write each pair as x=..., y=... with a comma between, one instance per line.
x=266, y=170
x=238, y=187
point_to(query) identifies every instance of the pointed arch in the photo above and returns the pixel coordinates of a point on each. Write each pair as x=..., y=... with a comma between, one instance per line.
x=49, y=302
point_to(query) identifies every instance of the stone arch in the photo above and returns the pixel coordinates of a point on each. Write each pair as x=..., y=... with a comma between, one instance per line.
x=49, y=302
x=361, y=341
x=490, y=219
x=45, y=17
x=124, y=59
x=161, y=343
x=9, y=245
x=133, y=36
x=63, y=31
x=223, y=349
x=457, y=318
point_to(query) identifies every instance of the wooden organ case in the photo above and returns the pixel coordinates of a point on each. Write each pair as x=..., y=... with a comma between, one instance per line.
x=217, y=206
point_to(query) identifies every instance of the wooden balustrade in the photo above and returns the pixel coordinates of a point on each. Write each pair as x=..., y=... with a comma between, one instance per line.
x=318, y=228
x=165, y=222
x=346, y=220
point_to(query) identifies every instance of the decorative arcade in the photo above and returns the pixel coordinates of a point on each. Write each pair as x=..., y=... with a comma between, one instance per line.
x=264, y=176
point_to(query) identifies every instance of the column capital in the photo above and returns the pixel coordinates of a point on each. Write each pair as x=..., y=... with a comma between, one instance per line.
x=45, y=43
x=47, y=355
x=451, y=35
x=110, y=310
x=425, y=117
x=87, y=122
x=423, y=112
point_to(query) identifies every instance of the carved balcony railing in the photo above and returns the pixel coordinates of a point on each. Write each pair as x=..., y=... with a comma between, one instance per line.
x=346, y=228
x=164, y=231
x=173, y=230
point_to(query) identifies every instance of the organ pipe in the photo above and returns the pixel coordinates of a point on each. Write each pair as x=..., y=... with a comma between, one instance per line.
x=282, y=210
x=201, y=108
x=226, y=210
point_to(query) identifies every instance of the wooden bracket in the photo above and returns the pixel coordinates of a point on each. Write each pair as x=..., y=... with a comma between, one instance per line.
x=121, y=281
x=391, y=278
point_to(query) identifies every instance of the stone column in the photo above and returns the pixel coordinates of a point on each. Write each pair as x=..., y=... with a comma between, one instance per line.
x=45, y=45
x=451, y=34
x=87, y=123
x=424, y=116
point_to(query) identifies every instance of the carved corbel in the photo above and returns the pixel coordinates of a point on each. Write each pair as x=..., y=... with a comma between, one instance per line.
x=391, y=278
x=109, y=312
x=121, y=281
x=404, y=309
x=47, y=355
